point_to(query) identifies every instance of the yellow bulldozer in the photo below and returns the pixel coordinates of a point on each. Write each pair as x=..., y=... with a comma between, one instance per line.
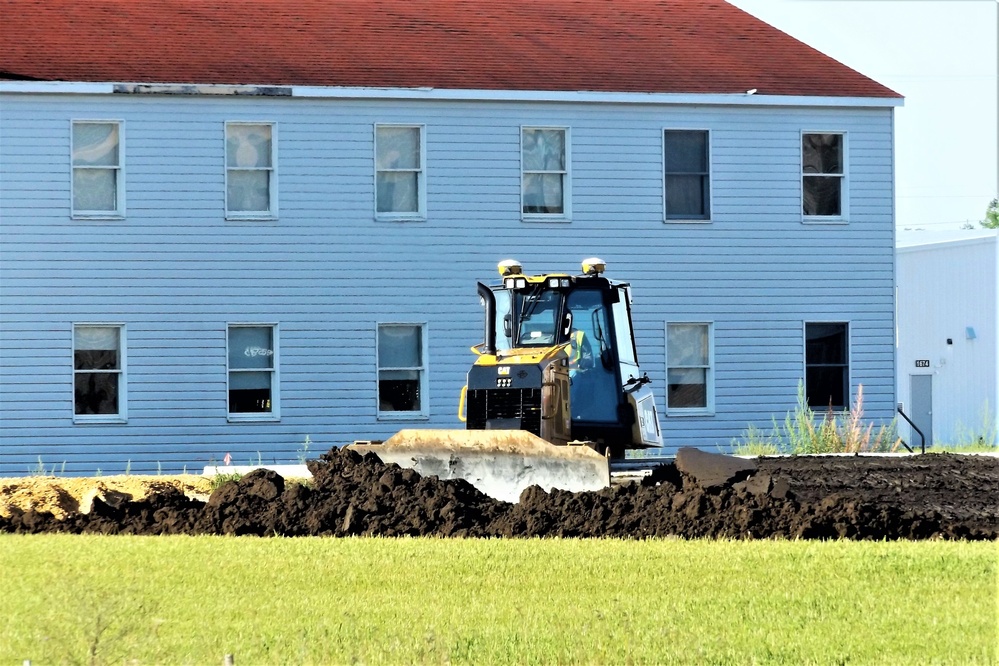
x=555, y=392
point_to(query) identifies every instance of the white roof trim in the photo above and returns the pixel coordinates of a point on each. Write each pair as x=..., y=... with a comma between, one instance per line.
x=740, y=98
x=56, y=87
x=916, y=244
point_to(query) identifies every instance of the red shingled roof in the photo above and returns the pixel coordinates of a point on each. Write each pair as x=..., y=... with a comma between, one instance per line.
x=650, y=46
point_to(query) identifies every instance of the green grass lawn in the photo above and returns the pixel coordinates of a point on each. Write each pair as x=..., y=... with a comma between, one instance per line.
x=191, y=600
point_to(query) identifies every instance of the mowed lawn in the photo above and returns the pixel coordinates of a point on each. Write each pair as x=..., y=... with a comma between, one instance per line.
x=192, y=600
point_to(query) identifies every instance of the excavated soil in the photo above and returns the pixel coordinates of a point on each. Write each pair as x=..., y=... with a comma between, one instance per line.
x=701, y=495
x=62, y=496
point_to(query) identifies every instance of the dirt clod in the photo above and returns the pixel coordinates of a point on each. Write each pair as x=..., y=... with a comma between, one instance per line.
x=702, y=495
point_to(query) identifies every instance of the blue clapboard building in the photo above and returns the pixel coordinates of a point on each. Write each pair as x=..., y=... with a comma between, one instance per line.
x=225, y=229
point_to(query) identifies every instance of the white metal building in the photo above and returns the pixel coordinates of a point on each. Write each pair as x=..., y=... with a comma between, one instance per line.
x=948, y=347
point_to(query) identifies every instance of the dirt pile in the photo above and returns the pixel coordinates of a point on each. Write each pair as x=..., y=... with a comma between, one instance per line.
x=701, y=495
x=64, y=495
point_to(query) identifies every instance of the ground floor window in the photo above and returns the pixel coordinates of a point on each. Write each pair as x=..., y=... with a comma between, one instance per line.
x=98, y=372
x=827, y=365
x=402, y=370
x=688, y=367
x=252, y=371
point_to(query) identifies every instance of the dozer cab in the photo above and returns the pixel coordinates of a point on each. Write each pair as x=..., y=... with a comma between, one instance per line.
x=555, y=391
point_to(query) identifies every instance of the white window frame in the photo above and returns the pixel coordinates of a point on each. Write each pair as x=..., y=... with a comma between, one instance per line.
x=566, y=214
x=119, y=212
x=275, y=370
x=844, y=190
x=122, y=371
x=848, y=398
x=709, y=375
x=424, y=412
x=710, y=203
x=272, y=182
x=420, y=214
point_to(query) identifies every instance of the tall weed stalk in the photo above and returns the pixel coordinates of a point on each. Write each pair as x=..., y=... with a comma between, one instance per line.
x=803, y=433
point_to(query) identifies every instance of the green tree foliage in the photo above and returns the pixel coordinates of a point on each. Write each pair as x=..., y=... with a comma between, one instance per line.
x=991, y=220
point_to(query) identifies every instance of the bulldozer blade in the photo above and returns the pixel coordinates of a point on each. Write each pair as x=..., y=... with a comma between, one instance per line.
x=500, y=463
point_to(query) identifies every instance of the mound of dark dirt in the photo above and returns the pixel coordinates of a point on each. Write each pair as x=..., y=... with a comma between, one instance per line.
x=701, y=495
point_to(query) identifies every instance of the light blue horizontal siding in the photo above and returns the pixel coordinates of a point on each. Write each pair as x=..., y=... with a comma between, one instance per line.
x=174, y=271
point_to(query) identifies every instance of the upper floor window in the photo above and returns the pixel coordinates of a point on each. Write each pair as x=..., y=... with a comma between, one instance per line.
x=252, y=372
x=98, y=372
x=689, y=380
x=399, y=167
x=98, y=180
x=823, y=176
x=402, y=370
x=686, y=175
x=250, y=175
x=544, y=173
x=827, y=365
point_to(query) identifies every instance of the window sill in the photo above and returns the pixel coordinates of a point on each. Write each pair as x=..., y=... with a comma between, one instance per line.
x=231, y=217
x=87, y=217
x=252, y=418
x=403, y=416
x=415, y=217
x=112, y=419
x=824, y=220
x=671, y=220
x=681, y=412
x=560, y=219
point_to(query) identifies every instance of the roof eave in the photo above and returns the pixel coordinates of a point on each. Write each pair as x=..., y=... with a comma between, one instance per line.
x=747, y=98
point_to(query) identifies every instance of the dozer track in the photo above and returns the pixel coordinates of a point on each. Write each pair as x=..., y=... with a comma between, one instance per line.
x=500, y=463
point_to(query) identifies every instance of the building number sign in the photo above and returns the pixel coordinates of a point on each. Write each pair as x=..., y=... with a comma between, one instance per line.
x=922, y=363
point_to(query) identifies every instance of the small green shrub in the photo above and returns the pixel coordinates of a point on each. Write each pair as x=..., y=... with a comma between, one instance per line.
x=41, y=470
x=303, y=451
x=984, y=437
x=802, y=433
x=220, y=480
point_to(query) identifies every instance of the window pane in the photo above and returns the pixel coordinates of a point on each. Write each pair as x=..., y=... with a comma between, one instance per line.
x=96, y=337
x=250, y=347
x=249, y=191
x=544, y=150
x=248, y=146
x=249, y=392
x=250, y=380
x=95, y=144
x=399, y=347
x=687, y=388
x=822, y=153
x=96, y=348
x=95, y=359
x=543, y=193
x=826, y=365
x=397, y=192
x=625, y=345
x=687, y=344
x=821, y=195
x=95, y=189
x=95, y=393
x=399, y=391
x=398, y=148
x=825, y=343
x=686, y=196
x=825, y=387
x=686, y=151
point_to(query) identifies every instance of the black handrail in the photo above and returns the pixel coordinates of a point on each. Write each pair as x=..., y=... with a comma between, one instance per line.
x=922, y=437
